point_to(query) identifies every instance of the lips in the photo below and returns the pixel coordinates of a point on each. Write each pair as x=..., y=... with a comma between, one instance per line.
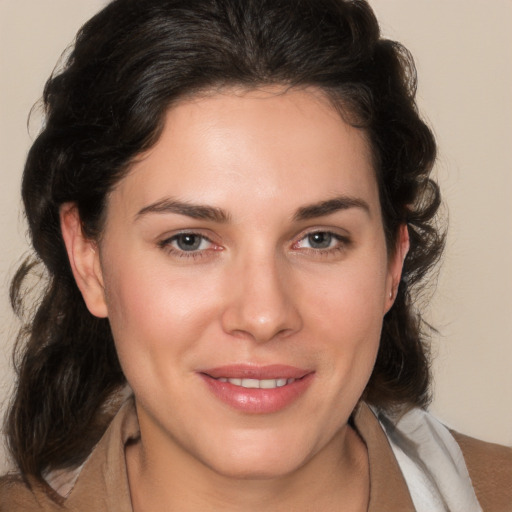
x=257, y=390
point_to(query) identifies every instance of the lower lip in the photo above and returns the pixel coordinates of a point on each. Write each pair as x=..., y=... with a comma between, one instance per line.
x=255, y=400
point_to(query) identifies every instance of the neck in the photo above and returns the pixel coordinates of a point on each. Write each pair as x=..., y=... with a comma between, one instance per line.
x=168, y=480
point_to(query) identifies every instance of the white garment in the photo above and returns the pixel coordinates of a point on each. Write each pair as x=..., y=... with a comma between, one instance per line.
x=431, y=462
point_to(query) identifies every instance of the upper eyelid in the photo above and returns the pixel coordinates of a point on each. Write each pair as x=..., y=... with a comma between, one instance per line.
x=336, y=232
x=336, y=236
x=342, y=242
x=166, y=242
x=195, y=232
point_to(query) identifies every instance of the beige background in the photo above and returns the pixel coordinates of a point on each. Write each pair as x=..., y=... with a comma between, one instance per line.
x=463, y=50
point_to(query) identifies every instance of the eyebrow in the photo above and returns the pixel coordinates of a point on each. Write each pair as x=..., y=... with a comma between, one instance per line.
x=195, y=211
x=329, y=207
x=212, y=213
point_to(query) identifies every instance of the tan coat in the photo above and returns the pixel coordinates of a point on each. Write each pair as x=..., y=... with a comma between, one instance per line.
x=103, y=484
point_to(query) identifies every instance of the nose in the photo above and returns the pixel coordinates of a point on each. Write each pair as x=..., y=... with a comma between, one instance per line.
x=261, y=304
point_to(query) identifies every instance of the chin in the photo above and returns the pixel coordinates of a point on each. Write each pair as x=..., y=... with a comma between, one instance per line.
x=255, y=470
x=260, y=461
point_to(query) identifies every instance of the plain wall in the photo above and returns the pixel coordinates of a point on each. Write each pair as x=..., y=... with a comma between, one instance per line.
x=463, y=51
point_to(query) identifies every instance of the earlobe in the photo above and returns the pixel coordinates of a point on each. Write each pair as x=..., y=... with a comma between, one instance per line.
x=84, y=260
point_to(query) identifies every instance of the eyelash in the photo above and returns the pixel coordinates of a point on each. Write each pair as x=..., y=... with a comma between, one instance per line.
x=180, y=253
x=342, y=243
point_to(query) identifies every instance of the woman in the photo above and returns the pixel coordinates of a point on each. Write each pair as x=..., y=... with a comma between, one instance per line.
x=233, y=204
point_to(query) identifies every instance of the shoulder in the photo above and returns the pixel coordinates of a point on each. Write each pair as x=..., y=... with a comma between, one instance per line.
x=16, y=495
x=490, y=469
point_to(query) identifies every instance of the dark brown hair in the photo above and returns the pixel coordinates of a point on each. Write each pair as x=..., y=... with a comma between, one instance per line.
x=106, y=105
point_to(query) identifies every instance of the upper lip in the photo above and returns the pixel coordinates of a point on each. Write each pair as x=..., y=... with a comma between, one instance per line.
x=244, y=371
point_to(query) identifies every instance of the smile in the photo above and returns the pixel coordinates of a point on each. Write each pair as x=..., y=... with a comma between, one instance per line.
x=257, y=383
x=257, y=390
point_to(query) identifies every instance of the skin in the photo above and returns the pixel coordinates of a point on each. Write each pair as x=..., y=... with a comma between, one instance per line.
x=257, y=291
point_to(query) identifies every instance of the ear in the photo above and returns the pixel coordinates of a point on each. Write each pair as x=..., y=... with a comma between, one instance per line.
x=84, y=260
x=396, y=264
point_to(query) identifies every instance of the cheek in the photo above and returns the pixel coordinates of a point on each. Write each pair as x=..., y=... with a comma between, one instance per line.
x=352, y=299
x=156, y=315
x=347, y=311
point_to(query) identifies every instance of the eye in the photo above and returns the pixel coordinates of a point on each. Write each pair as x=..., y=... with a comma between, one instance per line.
x=319, y=240
x=188, y=244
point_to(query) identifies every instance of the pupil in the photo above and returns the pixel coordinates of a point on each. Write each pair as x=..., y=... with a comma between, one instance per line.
x=189, y=242
x=320, y=240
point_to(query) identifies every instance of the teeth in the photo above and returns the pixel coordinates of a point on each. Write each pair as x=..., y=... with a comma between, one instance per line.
x=256, y=383
x=250, y=383
x=270, y=383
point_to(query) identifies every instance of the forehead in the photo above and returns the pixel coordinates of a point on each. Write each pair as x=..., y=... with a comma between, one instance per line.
x=286, y=145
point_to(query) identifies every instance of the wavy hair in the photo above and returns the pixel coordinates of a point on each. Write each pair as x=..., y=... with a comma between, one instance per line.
x=106, y=105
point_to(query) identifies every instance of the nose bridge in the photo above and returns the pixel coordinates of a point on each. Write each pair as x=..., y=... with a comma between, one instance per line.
x=261, y=301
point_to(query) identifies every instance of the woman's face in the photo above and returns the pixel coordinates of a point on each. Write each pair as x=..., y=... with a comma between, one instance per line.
x=245, y=274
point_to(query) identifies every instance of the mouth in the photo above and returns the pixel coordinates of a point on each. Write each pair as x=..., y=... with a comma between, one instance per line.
x=257, y=383
x=257, y=390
